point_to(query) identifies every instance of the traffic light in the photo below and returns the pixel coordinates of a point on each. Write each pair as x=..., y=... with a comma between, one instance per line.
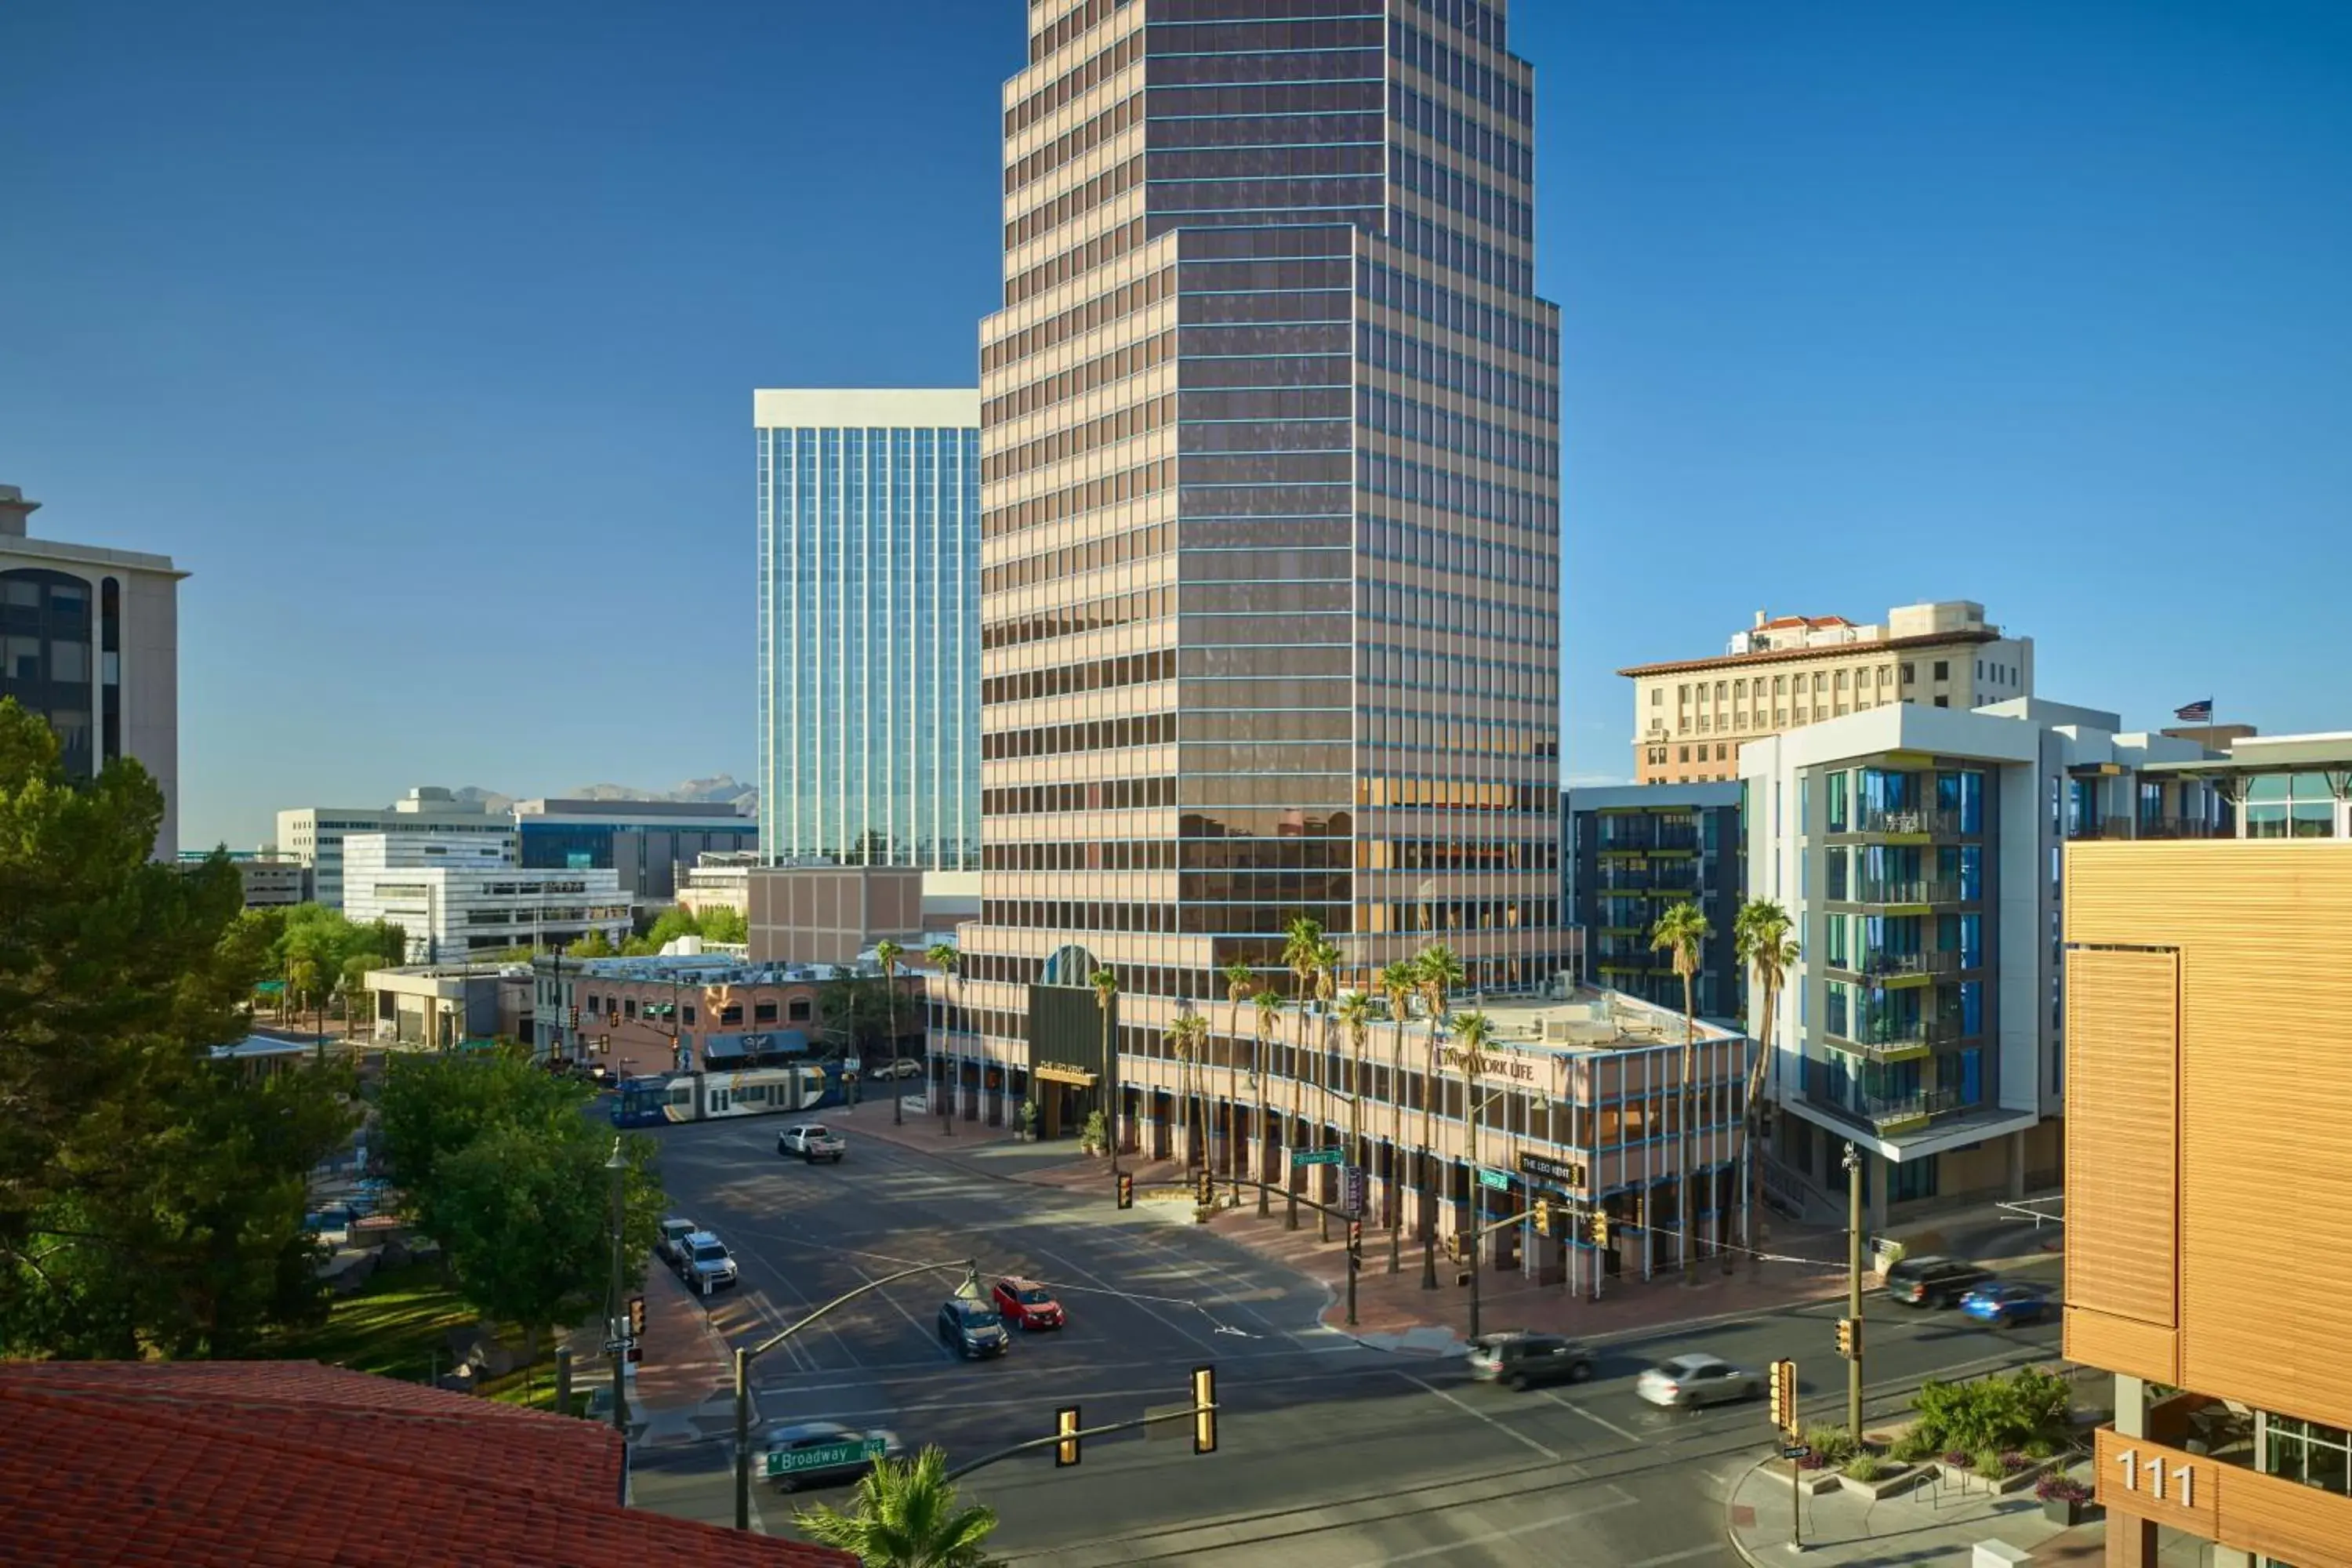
x=1600, y=1228
x=1784, y=1396
x=1126, y=1190
x=1453, y=1247
x=1065, y=1424
x=1355, y=1243
x=1205, y=1190
x=1204, y=1410
x=576, y=1017
x=1850, y=1337
x=1541, y=1215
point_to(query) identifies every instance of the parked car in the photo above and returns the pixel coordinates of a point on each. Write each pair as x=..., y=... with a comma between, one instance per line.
x=2004, y=1305
x=905, y=1067
x=972, y=1328
x=1694, y=1380
x=1028, y=1303
x=673, y=1232
x=704, y=1263
x=1525, y=1361
x=1933, y=1282
x=812, y=1142
x=803, y=1437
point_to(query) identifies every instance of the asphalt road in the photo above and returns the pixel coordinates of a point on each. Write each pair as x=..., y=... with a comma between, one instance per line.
x=1329, y=1454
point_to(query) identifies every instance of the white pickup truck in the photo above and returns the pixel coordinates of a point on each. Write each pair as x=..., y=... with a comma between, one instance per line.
x=810, y=1143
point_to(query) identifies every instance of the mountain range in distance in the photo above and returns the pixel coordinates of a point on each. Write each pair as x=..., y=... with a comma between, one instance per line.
x=720, y=787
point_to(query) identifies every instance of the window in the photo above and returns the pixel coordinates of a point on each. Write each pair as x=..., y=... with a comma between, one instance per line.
x=1913, y=1179
x=1910, y=674
x=1943, y=703
x=1738, y=689
x=1841, y=680
x=688, y=1011
x=629, y=1008
x=1718, y=751
x=1779, y=685
x=1837, y=790
x=1837, y=869
x=1943, y=669
x=1657, y=695
x=797, y=1010
x=1837, y=939
x=763, y=1012
x=2308, y=1452
x=1835, y=1005
x=1821, y=681
x=1685, y=754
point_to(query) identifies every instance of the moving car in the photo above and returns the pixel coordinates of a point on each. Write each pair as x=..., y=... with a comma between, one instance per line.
x=972, y=1328
x=673, y=1231
x=1696, y=1380
x=2003, y=1305
x=704, y=1263
x=905, y=1067
x=1525, y=1361
x=812, y=1142
x=1933, y=1282
x=1028, y=1303
x=809, y=1436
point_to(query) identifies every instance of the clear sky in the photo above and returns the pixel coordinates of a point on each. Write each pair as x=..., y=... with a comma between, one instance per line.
x=424, y=335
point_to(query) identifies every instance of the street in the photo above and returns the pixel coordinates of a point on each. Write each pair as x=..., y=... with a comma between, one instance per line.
x=1329, y=1453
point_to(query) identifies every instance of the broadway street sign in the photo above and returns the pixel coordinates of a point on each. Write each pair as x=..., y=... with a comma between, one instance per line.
x=830, y=1456
x=1319, y=1156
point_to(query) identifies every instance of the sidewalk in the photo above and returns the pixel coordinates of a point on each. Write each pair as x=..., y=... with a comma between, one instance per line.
x=1934, y=1524
x=683, y=1391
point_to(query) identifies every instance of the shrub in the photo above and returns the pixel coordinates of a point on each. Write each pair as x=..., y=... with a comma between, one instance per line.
x=1813, y=1461
x=2061, y=1489
x=1995, y=1413
x=1835, y=1445
x=1915, y=1445
x=2041, y=1448
x=1862, y=1467
x=2012, y=1461
x=1955, y=1460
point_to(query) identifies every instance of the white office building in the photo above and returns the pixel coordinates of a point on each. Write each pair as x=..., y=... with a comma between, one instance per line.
x=1917, y=851
x=315, y=835
x=461, y=893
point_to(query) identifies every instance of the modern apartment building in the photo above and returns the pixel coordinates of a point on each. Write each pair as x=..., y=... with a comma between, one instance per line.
x=870, y=629
x=89, y=639
x=314, y=835
x=1917, y=851
x=460, y=893
x=2209, y=1210
x=1691, y=717
x=1634, y=851
x=643, y=841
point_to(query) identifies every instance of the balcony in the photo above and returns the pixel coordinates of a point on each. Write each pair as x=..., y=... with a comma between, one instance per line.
x=1644, y=837
x=1884, y=1114
x=1909, y=820
x=1901, y=891
x=1889, y=964
x=2103, y=827
x=1896, y=1042
x=1682, y=881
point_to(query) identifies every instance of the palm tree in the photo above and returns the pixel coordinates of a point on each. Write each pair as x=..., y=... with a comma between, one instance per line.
x=1269, y=1018
x=1355, y=1016
x=1396, y=983
x=904, y=1515
x=1437, y=973
x=1238, y=979
x=1679, y=932
x=886, y=954
x=948, y=962
x=1106, y=983
x=1759, y=935
x=1300, y=947
x=1185, y=1037
x=1326, y=959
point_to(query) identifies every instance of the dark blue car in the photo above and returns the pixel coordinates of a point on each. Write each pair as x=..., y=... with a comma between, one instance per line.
x=2006, y=1306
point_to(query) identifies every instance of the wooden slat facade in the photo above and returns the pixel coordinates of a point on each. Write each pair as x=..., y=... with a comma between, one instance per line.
x=2122, y=1047
x=2225, y=1502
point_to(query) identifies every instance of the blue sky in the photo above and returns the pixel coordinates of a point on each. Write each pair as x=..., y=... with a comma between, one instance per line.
x=424, y=336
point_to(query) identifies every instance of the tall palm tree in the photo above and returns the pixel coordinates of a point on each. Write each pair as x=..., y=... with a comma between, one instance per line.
x=1106, y=983
x=1239, y=977
x=1355, y=1018
x=1326, y=959
x=886, y=954
x=1186, y=1034
x=950, y=963
x=1396, y=983
x=1270, y=1019
x=1679, y=932
x=1299, y=948
x=1472, y=1031
x=1437, y=973
x=1759, y=934
x=904, y=1515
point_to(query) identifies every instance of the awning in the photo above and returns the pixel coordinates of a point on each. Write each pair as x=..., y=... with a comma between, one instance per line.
x=1052, y=1073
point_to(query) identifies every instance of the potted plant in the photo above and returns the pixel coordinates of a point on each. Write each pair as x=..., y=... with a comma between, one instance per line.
x=2064, y=1500
x=1094, y=1138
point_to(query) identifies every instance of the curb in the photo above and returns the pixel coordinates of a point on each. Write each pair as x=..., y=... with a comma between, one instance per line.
x=1731, y=1530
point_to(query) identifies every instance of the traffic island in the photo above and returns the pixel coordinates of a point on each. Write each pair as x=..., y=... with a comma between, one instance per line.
x=1929, y=1522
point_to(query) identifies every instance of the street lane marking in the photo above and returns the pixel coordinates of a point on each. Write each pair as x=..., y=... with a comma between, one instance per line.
x=1624, y=1501
x=1163, y=1322
x=1490, y=1420
x=1597, y=1420
x=930, y=1337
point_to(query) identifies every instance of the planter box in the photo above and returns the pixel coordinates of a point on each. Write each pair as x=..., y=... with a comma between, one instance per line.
x=1893, y=1484
x=1817, y=1483
x=2058, y=1511
x=1968, y=1479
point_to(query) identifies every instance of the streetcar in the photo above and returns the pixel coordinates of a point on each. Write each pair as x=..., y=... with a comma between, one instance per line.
x=657, y=1097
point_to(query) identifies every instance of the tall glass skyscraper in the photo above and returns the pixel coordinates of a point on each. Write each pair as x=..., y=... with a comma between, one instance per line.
x=869, y=627
x=1271, y=554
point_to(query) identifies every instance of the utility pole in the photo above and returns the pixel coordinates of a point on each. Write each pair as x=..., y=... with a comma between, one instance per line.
x=1853, y=1290
x=615, y=1339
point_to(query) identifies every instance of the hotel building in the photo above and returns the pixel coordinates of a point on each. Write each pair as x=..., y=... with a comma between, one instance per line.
x=869, y=630
x=1691, y=717
x=2208, y=1088
x=1270, y=519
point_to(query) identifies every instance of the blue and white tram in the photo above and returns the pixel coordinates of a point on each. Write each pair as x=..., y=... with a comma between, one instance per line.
x=659, y=1098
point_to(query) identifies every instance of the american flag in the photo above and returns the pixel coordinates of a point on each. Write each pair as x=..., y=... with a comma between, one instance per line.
x=2200, y=712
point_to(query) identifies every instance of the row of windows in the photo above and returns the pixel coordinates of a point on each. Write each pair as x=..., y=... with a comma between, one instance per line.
x=1071, y=854
x=1473, y=198
x=1098, y=311
x=1475, y=17
x=1069, y=620
x=1450, y=68
x=1260, y=36
x=1080, y=19
x=1479, y=379
x=1073, y=143
x=1331, y=304
x=1099, y=794
x=1075, y=83
x=1076, y=262
x=1111, y=550
x=1262, y=99
x=1077, y=200
x=1068, y=680
x=1464, y=133
x=1301, y=69
x=1223, y=855
x=1395, y=414
x=1268, y=378
x=1074, y=440
x=1459, y=312
x=1426, y=915
x=1093, y=735
x=1472, y=854
x=1087, y=495
x=1166, y=133
x=1449, y=549
x=1418, y=236
x=1187, y=167
x=1411, y=790
x=1461, y=737
x=1103, y=370
x=1443, y=490
x=1320, y=200
x=1413, y=669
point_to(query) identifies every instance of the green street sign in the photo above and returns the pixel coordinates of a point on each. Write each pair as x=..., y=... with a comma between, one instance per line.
x=831, y=1457
x=1499, y=1180
x=1319, y=1156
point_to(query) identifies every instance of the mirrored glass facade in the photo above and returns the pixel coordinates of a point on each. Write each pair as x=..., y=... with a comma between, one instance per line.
x=869, y=627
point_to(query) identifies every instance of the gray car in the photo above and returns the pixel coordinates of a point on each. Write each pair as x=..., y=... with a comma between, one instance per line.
x=704, y=1263
x=1694, y=1380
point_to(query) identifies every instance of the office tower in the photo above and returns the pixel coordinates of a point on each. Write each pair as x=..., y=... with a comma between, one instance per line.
x=89, y=639
x=869, y=630
x=1269, y=514
x=1691, y=717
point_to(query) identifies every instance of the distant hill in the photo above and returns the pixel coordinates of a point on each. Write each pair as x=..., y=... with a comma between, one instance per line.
x=719, y=788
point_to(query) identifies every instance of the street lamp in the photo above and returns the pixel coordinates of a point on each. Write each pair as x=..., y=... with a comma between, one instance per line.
x=615, y=1339
x=1852, y=1163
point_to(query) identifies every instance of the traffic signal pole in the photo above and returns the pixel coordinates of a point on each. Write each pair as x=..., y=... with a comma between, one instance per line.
x=1853, y=1290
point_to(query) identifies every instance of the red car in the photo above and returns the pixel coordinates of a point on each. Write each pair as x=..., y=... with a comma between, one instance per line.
x=1028, y=1303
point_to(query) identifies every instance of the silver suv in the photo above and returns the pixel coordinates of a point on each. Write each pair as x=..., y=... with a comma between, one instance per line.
x=704, y=1263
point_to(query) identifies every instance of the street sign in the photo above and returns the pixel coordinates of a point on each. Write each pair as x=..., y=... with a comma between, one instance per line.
x=1501, y=1180
x=829, y=1457
x=1355, y=1189
x=1563, y=1173
x=621, y=1346
x=1319, y=1156
x=1796, y=1451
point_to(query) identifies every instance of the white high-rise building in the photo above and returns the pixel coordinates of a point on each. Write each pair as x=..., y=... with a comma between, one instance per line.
x=460, y=893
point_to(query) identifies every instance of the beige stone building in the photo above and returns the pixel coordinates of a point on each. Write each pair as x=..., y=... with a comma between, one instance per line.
x=1691, y=716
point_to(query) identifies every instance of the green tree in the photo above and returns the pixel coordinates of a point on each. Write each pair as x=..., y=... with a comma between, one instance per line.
x=1759, y=934
x=595, y=944
x=1239, y=977
x=431, y=1107
x=904, y=1515
x=1269, y=1021
x=948, y=962
x=1678, y=932
x=1355, y=1020
x=887, y=954
x=721, y=922
x=1187, y=1035
x=1106, y=983
x=1302, y=947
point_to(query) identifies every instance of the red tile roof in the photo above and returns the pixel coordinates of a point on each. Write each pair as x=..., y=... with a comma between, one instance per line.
x=288, y=1463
